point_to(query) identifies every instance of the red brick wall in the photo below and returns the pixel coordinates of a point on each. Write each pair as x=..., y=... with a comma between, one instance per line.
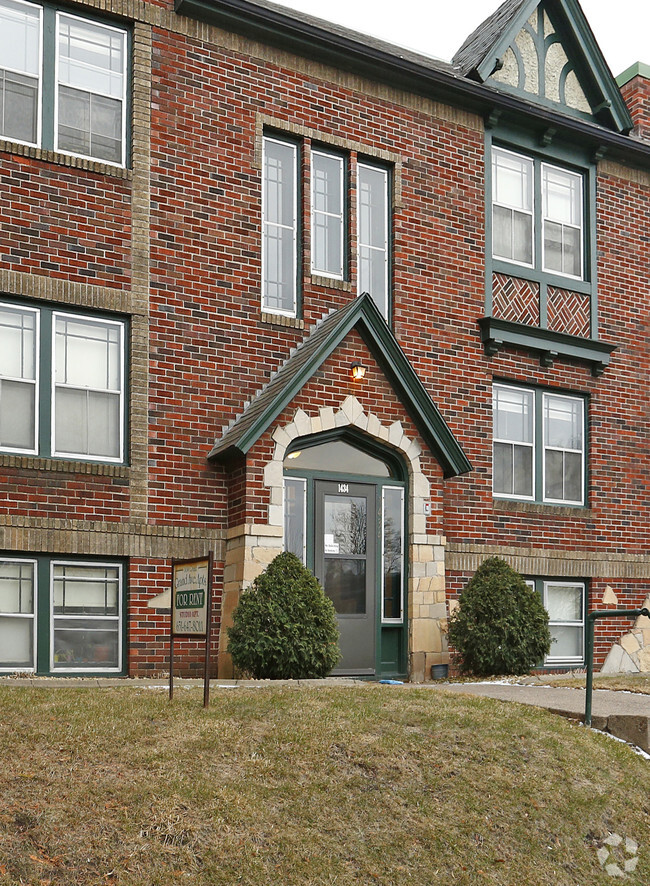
x=636, y=93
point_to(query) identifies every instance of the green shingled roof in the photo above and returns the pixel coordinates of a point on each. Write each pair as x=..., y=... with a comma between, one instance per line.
x=361, y=314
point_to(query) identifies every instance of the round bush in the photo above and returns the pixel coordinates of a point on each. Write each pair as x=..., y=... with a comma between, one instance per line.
x=501, y=625
x=284, y=627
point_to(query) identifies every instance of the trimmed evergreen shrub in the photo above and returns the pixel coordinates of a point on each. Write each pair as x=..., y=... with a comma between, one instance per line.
x=501, y=625
x=284, y=627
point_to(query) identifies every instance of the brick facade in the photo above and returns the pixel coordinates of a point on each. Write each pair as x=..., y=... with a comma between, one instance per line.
x=171, y=245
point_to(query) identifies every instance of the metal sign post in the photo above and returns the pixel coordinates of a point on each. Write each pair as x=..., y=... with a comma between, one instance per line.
x=191, y=611
x=591, y=622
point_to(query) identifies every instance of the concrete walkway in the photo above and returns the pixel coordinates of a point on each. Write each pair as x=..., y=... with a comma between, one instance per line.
x=624, y=714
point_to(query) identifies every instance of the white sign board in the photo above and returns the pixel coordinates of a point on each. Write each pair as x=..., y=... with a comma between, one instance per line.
x=190, y=597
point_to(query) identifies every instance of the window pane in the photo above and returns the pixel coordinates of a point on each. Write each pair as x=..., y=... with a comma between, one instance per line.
x=522, y=238
x=566, y=642
x=85, y=643
x=522, y=470
x=553, y=247
x=562, y=422
x=562, y=192
x=104, y=424
x=294, y=517
x=336, y=455
x=74, y=121
x=17, y=415
x=18, y=107
x=554, y=471
x=346, y=523
x=20, y=37
x=573, y=476
x=513, y=414
x=279, y=182
x=345, y=585
x=91, y=56
x=16, y=587
x=327, y=214
x=279, y=226
x=512, y=180
x=502, y=232
x=564, y=602
x=16, y=642
x=85, y=590
x=87, y=423
x=327, y=182
x=372, y=206
x=572, y=255
x=17, y=343
x=502, y=468
x=393, y=552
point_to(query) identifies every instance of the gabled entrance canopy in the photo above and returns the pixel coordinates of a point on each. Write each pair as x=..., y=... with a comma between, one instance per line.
x=545, y=52
x=361, y=314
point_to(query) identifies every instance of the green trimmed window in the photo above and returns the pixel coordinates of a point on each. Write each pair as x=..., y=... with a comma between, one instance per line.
x=565, y=602
x=62, y=384
x=539, y=445
x=332, y=244
x=530, y=195
x=61, y=616
x=63, y=81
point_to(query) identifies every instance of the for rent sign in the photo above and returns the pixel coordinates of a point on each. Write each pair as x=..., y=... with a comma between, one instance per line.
x=190, y=597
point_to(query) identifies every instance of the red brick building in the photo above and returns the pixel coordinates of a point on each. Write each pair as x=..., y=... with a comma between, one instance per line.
x=212, y=212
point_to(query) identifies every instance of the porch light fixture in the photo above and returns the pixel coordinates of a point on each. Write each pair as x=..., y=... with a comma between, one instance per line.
x=358, y=371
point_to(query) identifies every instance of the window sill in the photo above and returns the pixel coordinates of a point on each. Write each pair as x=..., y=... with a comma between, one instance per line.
x=282, y=320
x=534, y=507
x=331, y=283
x=497, y=334
x=65, y=160
x=36, y=463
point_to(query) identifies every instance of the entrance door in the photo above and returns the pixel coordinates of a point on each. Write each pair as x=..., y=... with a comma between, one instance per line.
x=344, y=560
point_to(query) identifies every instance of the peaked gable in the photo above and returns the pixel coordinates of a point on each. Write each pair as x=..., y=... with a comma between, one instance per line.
x=546, y=52
x=363, y=315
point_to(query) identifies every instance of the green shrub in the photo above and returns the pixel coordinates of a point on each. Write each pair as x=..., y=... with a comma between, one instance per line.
x=500, y=626
x=284, y=627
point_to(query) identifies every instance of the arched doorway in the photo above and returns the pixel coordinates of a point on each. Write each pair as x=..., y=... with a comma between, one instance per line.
x=345, y=519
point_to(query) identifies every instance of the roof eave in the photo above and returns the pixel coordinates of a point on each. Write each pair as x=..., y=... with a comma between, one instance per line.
x=303, y=37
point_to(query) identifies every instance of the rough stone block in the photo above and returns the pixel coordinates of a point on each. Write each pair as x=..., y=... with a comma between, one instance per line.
x=609, y=598
x=418, y=661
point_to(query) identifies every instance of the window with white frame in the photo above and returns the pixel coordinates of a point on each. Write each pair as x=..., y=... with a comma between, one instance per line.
x=372, y=234
x=86, y=61
x=86, y=616
x=20, y=71
x=565, y=603
x=538, y=445
x=279, y=226
x=327, y=214
x=392, y=509
x=17, y=614
x=333, y=244
x=62, y=384
x=529, y=195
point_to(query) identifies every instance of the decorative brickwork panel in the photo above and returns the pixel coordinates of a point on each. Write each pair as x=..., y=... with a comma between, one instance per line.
x=515, y=299
x=568, y=312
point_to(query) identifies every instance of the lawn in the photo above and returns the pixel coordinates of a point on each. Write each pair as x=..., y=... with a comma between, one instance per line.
x=307, y=787
x=626, y=682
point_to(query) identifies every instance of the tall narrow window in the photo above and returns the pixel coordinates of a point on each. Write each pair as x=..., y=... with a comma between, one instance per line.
x=18, y=378
x=565, y=605
x=280, y=227
x=91, y=89
x=88, y=387
x=372, y=234
x=563, y=448
x=393, y=553
x=295, y=505
x=512, y=207
x=514, y=433
x=562, y=220
x=327, y=214
x=20, y=64
x=17, y=608
x=86, y=616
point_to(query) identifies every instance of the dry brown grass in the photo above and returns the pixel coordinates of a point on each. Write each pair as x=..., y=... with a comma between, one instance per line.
x=307, y=787
x=622, y=682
